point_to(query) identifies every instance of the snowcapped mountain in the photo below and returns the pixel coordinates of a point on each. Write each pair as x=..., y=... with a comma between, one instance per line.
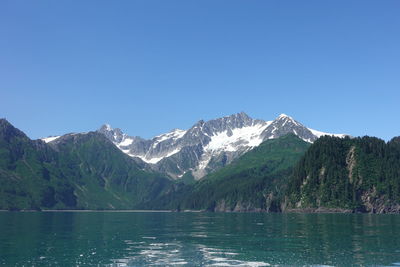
x=206, y=146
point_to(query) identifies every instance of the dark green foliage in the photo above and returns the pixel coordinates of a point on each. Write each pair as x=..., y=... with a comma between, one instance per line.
x=81, y=171
x=252, y=182
x=362, y=174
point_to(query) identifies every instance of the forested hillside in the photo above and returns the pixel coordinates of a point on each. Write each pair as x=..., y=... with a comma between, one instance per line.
x=254, y=182
x=79, y=171
x=359, y=174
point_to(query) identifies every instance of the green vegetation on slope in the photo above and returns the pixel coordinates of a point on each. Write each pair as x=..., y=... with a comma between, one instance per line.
x=360, y=174
x=80, y=171
x=87, y=171
x=254, y=181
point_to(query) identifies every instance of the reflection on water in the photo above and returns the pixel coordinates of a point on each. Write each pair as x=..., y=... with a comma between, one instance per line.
x=175, y=254
x=198, y=239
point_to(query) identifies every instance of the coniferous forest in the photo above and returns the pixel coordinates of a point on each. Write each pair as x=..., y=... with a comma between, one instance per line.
x=359, y=174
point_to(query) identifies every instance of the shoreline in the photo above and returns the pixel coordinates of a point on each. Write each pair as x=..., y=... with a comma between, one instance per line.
x=288, y=211
x=322, y=210
x=116, y=211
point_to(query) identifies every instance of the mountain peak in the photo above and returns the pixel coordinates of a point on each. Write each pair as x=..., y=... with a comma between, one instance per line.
x=114, y=134
x=241, y=116
x=106, y=127
x=8, y=131
x=284, y=116
x=286, y=119
x=4, y=122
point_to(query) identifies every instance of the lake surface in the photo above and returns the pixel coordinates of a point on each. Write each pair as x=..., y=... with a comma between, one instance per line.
x=198, y=239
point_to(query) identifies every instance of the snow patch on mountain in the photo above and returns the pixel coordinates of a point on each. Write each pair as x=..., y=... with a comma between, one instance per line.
x=174, y=134
x=125, y=142
x=319, y=133
x=245, y=136
x=155, y=159
x=50, y=138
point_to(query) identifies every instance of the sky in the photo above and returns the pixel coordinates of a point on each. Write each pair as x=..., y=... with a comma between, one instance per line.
x=150, y=66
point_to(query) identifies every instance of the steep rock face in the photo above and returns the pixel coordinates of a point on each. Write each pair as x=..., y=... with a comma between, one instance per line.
x=125, y=143
x=207, y=145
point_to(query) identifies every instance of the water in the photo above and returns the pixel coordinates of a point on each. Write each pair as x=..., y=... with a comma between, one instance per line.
x=198, y=239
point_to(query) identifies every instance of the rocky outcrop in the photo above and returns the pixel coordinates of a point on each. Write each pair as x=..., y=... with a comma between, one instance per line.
x=374, y=203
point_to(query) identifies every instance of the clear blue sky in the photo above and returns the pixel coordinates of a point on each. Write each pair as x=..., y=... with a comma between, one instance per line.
x=150, y=66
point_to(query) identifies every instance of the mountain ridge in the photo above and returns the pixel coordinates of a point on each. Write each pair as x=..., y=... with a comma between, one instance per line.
x=207, y=145
x=75, y=171
x=285, y=174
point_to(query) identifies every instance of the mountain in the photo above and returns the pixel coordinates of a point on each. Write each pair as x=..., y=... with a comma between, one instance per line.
x=207, y=145
x=255, y=181
x=285, y=172
x=75, y=171
x=358, y=174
